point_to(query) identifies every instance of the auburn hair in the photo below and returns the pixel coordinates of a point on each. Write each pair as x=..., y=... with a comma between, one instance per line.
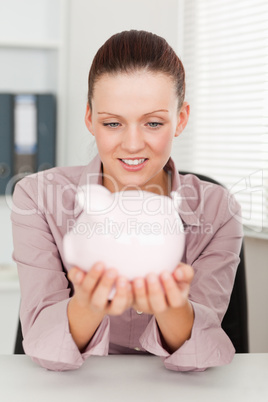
x=133, y=50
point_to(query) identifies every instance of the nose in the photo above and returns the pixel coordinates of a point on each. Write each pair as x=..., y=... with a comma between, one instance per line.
x=133, y=140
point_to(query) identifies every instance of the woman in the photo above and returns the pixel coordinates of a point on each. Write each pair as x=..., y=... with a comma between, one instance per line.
x=135, y=108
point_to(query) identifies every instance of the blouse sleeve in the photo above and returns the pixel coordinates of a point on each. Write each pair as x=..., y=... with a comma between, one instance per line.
x=45, y=290
x=215, y=270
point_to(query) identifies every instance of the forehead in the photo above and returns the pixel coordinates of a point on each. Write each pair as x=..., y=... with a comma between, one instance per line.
x=135, y=87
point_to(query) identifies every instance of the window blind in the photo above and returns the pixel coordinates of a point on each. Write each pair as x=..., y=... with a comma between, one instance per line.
x=225, y=54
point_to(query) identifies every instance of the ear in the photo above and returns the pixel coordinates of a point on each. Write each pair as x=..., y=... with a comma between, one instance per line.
x=88, y=119
x=183, y=117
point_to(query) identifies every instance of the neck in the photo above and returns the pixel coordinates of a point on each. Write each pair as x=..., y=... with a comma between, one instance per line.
x=161, y=187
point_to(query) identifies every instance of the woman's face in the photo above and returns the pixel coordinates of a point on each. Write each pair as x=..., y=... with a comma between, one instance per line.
x=134, y=119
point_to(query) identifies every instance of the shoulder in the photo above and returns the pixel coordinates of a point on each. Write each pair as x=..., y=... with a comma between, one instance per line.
x=198, y=190
x=36, y=187
x=208, y=200
x=63, y=178
x=54, y=176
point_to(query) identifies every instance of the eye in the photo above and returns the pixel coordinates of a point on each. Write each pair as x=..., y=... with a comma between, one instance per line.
x=154, y=124
x=112, y=125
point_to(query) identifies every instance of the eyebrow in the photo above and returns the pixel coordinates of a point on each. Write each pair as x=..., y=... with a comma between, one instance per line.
x=154, y=111
x=110, y=114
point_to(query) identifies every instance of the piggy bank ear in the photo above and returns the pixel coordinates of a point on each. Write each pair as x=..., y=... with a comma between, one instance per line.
x=176, y=198
x=81, y=198
x=95, y=198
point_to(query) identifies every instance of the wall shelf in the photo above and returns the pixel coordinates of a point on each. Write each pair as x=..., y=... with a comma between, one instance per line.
x=52, y=45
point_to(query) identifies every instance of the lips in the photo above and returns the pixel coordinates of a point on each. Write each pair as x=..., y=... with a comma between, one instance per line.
x=133, y=164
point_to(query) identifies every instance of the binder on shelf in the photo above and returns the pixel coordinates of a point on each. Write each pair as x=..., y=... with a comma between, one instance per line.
x=6, y=140
x=46, y=131
x=25, y=134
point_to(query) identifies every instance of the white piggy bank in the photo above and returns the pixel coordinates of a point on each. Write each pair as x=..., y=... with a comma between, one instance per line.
x=134, y=231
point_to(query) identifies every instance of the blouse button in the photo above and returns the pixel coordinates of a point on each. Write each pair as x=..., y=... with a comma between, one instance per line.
x=139, y=312
x=138, y=349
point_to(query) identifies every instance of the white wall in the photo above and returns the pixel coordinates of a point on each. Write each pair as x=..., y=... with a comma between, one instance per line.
x=256, y=253
x=91, y=24
x=6, y=247
x=29, y=63
x=9, y=312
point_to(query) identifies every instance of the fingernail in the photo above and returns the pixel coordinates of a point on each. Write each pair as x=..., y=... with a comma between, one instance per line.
x=152, y=278
x=78, y=277
x=138, y=283
x=166, y=276
x=122, y=282
x=111, y=274
x=179, y=274
x=98, y=266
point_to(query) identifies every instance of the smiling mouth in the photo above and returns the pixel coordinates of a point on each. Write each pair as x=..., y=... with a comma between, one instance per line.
x=133, y=162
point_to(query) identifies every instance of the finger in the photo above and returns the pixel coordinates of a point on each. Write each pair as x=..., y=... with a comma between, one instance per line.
x=140, y=295
x=93, y=277
x=103, y=289
x=130, y=296
x=184, y=273
x=121, y=297
x=156, y=294
x=174, y=295
x=76, y=275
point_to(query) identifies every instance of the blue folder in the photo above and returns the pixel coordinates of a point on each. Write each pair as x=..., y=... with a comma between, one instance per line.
x=46, y=131
x=17, y=160
x=6, y=143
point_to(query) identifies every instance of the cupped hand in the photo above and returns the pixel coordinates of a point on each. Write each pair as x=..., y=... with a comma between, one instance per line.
x=156, y=294
x=92, y=290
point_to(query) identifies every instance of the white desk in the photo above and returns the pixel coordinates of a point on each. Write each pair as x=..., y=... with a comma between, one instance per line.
x=134, y=378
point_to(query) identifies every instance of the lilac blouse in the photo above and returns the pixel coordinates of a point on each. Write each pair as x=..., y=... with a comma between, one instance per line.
x=44, y=209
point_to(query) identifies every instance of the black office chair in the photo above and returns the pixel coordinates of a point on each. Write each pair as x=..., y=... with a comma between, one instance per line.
x=18, y=350
x=235, y=321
